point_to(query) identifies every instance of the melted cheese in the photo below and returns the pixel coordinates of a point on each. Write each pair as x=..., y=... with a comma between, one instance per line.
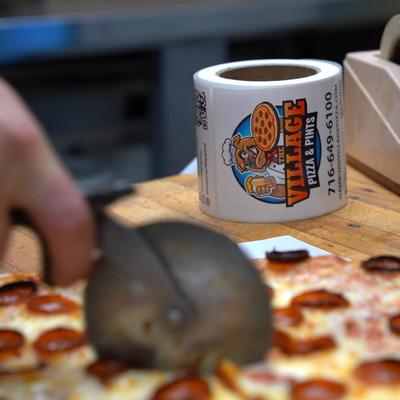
x=361, y=332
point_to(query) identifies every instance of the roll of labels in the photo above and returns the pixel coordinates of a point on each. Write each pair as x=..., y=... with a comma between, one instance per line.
x=270, y=142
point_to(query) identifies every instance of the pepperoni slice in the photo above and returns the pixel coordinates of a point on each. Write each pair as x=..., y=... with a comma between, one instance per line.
x=59, y=340
x=105, y=370
x=17, y=292
x=292, y=346
x=52, y=304
x=313, y=345
x=287, y=316
x=320, y=298
x=189, y=388
x=10, y=340
x=379, y=372
x=287, y=256
x=394, y=324
x=318, y=389
x=382, y=264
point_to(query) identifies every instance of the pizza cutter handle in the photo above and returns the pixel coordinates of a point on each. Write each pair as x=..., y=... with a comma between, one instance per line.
x=98, y=195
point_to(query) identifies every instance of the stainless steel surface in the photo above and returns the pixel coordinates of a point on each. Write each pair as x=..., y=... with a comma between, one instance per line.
x=174, y=295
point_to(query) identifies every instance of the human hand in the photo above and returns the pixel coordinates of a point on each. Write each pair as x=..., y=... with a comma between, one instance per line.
x=33, y=179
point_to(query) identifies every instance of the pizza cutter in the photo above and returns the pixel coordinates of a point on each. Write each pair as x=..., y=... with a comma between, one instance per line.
x=173, y=295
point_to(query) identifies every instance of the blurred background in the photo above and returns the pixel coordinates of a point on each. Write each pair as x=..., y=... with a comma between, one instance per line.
x=111, y=80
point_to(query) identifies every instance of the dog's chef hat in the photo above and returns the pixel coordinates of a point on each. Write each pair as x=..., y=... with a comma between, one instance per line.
x=229, y=152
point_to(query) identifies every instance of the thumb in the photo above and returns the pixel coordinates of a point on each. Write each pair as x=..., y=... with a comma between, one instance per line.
x=65, y=222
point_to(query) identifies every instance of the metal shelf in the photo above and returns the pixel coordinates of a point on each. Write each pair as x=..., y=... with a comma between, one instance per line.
x=75, y=30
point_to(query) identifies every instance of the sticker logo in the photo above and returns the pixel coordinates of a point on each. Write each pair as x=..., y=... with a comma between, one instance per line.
x=275, y=152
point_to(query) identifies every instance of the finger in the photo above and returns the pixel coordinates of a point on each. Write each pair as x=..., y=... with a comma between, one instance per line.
x=65, y=222
x=35, y=181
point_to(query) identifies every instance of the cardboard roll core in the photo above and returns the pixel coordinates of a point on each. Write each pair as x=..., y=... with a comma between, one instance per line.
x=268, y=73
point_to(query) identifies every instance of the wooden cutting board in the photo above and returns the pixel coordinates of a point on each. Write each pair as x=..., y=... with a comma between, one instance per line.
x=368, y=225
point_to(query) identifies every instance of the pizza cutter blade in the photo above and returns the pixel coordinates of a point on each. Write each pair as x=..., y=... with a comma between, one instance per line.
x=168, y=295
x=175, y=295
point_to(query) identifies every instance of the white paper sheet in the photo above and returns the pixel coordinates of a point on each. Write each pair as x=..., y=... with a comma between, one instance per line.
x=257, y=248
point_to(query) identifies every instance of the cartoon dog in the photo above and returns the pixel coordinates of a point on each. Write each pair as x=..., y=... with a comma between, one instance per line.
x=247, y=156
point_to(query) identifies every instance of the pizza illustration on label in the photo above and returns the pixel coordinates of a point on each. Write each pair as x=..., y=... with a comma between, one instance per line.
x=265, y=126
x=275, y=152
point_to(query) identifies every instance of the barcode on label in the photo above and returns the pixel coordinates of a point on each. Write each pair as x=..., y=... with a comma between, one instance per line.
x=201, y=109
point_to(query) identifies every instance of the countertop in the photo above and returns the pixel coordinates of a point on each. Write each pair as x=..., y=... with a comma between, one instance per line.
x=368, y=225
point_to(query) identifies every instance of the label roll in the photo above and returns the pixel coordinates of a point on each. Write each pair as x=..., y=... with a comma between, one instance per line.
x=270, y=142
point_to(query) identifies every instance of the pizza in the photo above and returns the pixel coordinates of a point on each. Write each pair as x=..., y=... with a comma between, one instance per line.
x=337, y=336
x=265, y=126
